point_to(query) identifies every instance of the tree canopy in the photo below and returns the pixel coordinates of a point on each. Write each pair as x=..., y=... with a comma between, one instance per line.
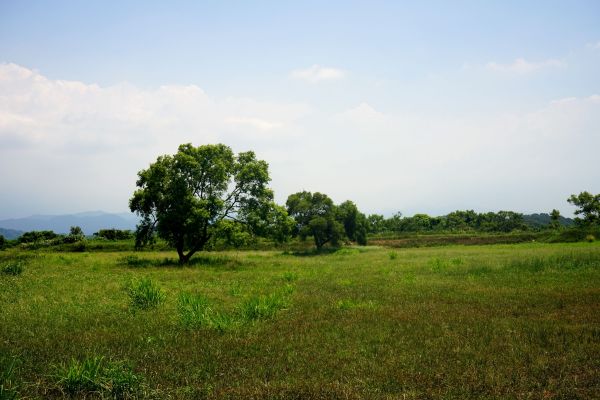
x=588, y=206
x=316, y=215
x=185, y=198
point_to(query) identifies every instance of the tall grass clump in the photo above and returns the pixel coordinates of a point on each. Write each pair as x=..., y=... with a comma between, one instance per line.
x=98, y=376
x=195, y=312
x=8, y=384
x=265, y=306
x=13, y=268
x=144, y=294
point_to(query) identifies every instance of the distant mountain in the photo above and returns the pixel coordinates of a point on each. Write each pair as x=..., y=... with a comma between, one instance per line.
x=10, y=234
x=539, y=220
x=90, y=222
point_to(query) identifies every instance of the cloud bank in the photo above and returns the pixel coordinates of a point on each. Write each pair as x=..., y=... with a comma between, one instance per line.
x=68, y=146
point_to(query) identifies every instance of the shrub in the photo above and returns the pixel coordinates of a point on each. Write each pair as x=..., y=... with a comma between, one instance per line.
x=37, y=236
x=393, y=255
x=13, y=268
x=95, y=375
x=144, y=294
x=590, y=238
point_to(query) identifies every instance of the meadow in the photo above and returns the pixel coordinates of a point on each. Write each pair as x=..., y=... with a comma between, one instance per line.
x=454, y=322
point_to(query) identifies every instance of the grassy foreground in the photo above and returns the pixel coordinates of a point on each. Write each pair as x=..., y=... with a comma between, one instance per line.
x=505, y=321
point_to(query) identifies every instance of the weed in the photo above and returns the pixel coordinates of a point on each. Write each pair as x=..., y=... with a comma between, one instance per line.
x=289, y=277
x=456, y=261
x=144, y=294
x=437, y=264
x=392, y=255
x=8, y=385
x=235, y=289
x=13, y=268
x=265, y=306
x=195, y=312
x=96, y=375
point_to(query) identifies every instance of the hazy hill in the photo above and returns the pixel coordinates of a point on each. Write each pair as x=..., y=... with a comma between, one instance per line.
x=10, y=233
x=89, y=222
x=540, y=220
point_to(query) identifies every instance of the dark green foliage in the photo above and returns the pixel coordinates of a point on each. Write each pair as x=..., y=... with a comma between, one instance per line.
x=355, y=223
x=456, y=221
x=185, y=197
x=95, y=375
x=37, y=236
x=13, y=267
x=588, y=206
x=144, y=294
x=316, y=216
x=2, y=242
x=75, y=235
x=114, y=234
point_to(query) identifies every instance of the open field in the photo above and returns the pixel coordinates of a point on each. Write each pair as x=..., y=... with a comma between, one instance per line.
x=454, y=322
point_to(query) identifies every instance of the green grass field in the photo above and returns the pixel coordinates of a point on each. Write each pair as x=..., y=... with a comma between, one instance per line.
x=454, y=322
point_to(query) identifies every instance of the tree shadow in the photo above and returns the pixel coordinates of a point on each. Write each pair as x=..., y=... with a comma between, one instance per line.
x=313, y=252
x=133, y=261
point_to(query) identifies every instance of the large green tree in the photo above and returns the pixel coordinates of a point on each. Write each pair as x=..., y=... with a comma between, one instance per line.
x=588, y=206
x=315, y=216
x=187, y=197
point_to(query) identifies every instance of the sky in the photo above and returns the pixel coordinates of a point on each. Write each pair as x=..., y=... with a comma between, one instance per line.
x=412, y=107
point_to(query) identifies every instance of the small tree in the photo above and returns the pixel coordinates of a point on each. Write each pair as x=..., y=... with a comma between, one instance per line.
x=588, y=206
x=184, y=198
x=2, y=242
x=555, y=219
x=315, y=216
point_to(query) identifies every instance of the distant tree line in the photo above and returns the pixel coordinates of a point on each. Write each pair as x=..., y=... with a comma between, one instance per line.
x=204, y=195
x=462, y=221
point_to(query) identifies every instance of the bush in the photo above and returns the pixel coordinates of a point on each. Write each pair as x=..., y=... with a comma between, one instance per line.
x=114, y=234
x=13, y=268
x=37, y=236
x=590, y=238
x=144, y=294
x=95, y=375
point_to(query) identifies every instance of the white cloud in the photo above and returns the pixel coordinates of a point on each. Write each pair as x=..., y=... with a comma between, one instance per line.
x=522, y=66
x=64, y=140
x=317, y=73
x=67, y=146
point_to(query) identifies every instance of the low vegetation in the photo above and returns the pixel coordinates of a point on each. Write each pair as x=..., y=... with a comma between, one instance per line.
x=503, y=321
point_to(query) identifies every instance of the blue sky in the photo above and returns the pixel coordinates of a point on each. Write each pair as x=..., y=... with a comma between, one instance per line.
x=416, y=107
